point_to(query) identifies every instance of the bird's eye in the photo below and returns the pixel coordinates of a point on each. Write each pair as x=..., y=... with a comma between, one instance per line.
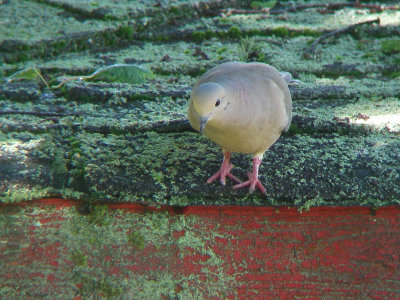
x=218, y=102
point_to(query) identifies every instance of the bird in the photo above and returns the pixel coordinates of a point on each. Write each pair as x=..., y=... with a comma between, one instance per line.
x=243, y=108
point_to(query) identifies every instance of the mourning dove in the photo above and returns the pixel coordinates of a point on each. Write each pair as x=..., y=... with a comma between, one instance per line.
x=243, y=107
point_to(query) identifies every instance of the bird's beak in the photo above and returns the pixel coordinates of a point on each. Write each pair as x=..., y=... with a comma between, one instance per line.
x=203, y=121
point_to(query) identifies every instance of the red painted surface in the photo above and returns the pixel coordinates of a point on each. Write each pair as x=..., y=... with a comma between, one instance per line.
x=328, y=252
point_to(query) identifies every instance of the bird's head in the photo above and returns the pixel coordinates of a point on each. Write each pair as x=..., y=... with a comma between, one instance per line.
x=209, y=102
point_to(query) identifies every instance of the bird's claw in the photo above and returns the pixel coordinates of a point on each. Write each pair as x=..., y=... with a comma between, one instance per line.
x=253, y=182
x=223, y=173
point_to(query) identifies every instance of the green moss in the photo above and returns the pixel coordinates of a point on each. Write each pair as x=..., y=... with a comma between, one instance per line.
x=250, y=50
x=99, y=215
x=77, y=165
x=136, y=240
x=59, y=163
x=305, y=32
x=79, y=258
x=24, y=194
x=174, y=10
x=234, y=32
x=262, y=4
x=81, y=45
x=24, y=47
x=109, y=17
x=157, y=176
x=390, y=46
x=198, y=36
x=280, y=31
x=60, y=44
x=296, y=129
x=362, y=45
x=391, y=74
x=197, y=71
x=22, y=57
x=89, y=285
x=369, y=55
x=125, y=32
x=253, y=31
x=109, y=290
x=141, y=97
x=210, y=34
x=221, y=50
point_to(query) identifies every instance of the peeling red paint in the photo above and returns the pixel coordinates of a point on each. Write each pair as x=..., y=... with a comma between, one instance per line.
x=267, y=252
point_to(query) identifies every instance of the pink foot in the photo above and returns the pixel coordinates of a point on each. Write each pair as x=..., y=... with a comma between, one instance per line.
x=253, y=181
x=224, y=171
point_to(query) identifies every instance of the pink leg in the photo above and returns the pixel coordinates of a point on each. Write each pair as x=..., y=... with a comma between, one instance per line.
x=224, y=171
x=253, y=178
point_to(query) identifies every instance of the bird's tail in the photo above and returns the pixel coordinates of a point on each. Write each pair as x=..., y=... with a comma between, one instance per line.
x=289, y=78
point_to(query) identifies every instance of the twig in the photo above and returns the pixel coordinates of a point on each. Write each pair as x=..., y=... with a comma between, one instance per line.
x=36, y=113
x=69, y=79
x=231, y=11
x=327, y=7
x=168, y=126
x=41, y=77
x=311, y=49
x=336, y=6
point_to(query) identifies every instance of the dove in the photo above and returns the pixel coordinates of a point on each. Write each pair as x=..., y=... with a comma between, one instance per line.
x=243, y=108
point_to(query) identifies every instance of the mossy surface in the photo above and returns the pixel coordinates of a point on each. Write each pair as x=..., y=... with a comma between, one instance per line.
x=390, y=46
x=80, y=252
x=132, y=142
x=116, y=142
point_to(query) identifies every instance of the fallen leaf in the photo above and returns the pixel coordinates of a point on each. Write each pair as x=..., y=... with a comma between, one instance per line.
x=30, y=74
x=125, y=73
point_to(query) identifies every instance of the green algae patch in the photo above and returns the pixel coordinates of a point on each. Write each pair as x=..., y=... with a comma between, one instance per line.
x=125, y=32
x=262, y=4
x=280, y=31
x=234, y=32
x=99, y=215
x=390, y=46
x=136, y=240
x=198, y=36
x=79, y=258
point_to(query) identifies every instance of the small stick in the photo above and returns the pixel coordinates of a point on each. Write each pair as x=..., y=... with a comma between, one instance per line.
x=35, y=113
x=69, y=79
x=311, y=49
x=41, y=77
x=331, y=6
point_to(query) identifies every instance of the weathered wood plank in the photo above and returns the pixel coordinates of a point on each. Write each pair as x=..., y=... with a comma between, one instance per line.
x=201, y=253
x=127, y=142
x=307, y=170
